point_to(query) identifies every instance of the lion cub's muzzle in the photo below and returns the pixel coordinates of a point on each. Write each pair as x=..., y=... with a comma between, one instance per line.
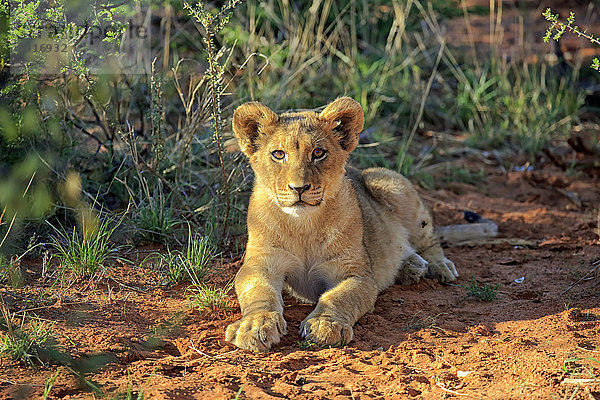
x=308, y=195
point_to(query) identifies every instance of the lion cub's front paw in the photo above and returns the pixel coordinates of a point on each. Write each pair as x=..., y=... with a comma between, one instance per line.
x=258, y=331
x=443, y=270
x=326, y=331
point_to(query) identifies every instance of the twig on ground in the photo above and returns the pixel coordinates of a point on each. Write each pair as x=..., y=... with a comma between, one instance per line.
x=595, y=264
x=49, y=306
x=446, y=362
x=440, y=202
x=583, y=348
x=457, y=234
x=208, y=355
x=127, y=286
x=580, y=381
x=450, y=391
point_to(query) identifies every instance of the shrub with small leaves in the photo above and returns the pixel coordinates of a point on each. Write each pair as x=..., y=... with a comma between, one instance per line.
x=558, y=28
x=213, y=23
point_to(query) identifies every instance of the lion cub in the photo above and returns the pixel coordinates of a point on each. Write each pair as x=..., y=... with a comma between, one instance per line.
x=329, y=234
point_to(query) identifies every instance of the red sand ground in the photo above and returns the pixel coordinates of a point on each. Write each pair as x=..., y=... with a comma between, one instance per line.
x=422, y=341
x=539, y=339
x=521, y=28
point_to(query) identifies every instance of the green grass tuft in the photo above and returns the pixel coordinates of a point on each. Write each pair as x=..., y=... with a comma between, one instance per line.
x=154, y=220
x=190, y=265
x=49, y=383
x=21, y=340
x=10, y=272
x=514, y=106
x=483, y=292
x=308, y=345
x=211, y=298
x=580, y=367
x=84, y=253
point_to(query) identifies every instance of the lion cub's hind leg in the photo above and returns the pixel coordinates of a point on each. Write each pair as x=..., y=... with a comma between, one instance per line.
x=397, y=194
x=428, y=246
x=412, y=270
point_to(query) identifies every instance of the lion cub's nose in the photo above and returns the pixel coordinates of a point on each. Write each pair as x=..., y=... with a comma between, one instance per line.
x=299, y=189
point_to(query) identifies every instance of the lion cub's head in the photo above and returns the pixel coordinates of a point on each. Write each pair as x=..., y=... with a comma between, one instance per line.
x=298, y=157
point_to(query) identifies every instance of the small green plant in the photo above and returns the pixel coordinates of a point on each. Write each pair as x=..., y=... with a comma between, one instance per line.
x=130, y=393
x=213, y=23
x=197, y=258
x=211, y=299
x=169, y=262
x=192, y=264
x=557, y=28
x=483, y=292
x=49, y=383
x=85, y=252
x=308, y=345
x=10, y=272
x=523, y=376
x=572, y=366
x=576, y=367
x=155, y=220
x=238, y=395
x=21, y=340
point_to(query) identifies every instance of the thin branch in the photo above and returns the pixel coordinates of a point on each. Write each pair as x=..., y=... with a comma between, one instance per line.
x=595, y=264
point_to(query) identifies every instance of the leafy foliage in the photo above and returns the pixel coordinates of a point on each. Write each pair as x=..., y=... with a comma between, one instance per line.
x=557, y=28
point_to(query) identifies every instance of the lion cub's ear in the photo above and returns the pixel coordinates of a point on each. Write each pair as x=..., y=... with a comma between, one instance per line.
x=349, y=119
x=247, y=121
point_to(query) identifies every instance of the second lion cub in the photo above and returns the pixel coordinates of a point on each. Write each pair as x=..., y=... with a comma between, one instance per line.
x=329, y=234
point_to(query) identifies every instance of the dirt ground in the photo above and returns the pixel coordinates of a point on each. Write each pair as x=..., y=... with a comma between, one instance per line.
x=519, y=30
x=540, y=338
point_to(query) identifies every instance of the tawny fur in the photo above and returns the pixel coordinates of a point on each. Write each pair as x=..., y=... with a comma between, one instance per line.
x=354, y=235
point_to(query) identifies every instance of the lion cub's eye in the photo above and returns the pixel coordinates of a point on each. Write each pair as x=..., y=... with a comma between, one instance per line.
x=278, y=154
x=318, y=154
